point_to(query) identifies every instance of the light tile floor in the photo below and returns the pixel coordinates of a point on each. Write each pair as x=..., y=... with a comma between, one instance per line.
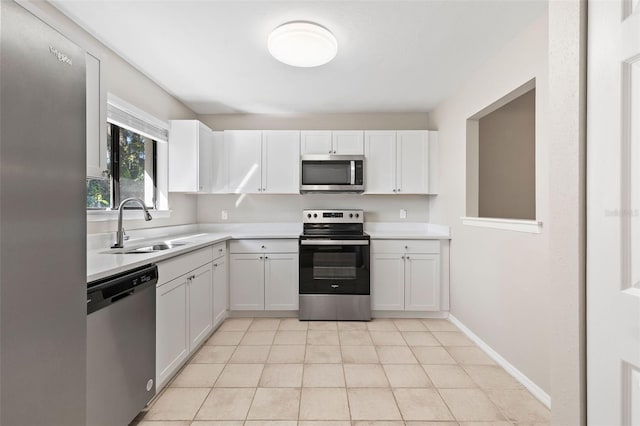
x=285, y=372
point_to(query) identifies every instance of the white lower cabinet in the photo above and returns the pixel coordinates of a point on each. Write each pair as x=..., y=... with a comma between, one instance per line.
x=172, y=338
x=263, y=275
x=281, y=282
x=184, y=309
x=220, y=293
x=246, y=282
x=402, y=278
x=200, y=305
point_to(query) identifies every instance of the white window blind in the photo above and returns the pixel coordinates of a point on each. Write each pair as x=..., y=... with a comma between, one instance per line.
x=129, y=117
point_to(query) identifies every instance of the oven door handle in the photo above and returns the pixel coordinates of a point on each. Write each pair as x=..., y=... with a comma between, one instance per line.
x=327, y=242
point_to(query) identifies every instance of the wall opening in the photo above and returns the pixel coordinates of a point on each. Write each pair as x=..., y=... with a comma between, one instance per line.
x=501, y=178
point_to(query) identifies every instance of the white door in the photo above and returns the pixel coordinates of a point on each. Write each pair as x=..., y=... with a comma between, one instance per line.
x=218, y=161
x=172, y=340
x=281, y=162
x=413, y=162
x=246, y=282
x=183, y=156
x=380, y=164
x=422, y=282
x=348, y=142
x=281, y=282
x=613, y=213
x=200, y=305
x=220, y=296
x=315, y=142
x=387, y=282
x=244, y=158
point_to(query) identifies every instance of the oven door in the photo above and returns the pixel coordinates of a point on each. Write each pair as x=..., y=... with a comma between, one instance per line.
x=334, y=266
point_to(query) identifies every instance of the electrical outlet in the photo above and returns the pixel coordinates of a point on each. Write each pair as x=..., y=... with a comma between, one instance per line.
x=403, y=214
x=224, y=215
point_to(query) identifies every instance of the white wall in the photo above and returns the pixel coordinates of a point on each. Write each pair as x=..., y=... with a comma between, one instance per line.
x=127, y=83
x=499, y=279
x=361, y=121
x=288, y=208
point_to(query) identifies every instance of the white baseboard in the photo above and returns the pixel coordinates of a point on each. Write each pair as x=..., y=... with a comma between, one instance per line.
x=535, y=390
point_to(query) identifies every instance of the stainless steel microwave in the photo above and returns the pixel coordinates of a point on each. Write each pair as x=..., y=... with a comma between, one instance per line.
x=332, y=173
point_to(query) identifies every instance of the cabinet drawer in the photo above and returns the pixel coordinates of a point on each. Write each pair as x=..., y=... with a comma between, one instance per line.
x=219, y=250
x=264, y=246
x=405, y=246
x=180, y=265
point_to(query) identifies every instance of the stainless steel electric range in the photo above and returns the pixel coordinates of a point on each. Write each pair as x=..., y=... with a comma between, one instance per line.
x=334, y=266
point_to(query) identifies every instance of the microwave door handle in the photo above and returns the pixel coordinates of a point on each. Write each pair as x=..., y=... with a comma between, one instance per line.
x=353, y=172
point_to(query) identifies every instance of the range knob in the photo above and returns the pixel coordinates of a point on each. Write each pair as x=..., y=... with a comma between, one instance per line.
x=315, y=215
x=309, y=215
x=357, y=215
x=350, y=214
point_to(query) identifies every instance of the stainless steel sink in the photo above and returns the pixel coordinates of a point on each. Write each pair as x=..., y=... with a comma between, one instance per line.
x=147, y=249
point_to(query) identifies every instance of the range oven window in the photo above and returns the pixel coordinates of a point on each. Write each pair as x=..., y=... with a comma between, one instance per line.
x=331, y=266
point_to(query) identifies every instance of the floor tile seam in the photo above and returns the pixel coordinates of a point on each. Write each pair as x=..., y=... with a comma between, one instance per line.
x=447, y=405
x=395, y=399
x=202, y=403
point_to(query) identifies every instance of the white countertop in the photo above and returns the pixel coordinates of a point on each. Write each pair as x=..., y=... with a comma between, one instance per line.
x=102, y=262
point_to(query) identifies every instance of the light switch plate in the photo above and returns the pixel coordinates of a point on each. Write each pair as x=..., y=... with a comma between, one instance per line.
x=403, y=213
x=224, y=215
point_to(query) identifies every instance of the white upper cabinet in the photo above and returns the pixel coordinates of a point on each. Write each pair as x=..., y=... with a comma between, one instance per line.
x=96, y=119
x=401, y=162
x=191, y=162
x=380, y=162
x=244, y=160
x=263, y=161
x=219, y=166
x=315, y=142
x=412, y=162
x=281, y=161
x=348, y=142
x=338, y=142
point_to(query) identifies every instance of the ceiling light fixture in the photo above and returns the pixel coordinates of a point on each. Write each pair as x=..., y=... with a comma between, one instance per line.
x=302, y=44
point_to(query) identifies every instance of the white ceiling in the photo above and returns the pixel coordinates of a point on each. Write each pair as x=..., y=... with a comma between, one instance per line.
x=393, y=56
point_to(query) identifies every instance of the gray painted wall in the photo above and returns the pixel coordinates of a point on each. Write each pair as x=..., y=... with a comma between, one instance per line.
x=507, y=175
x=499, y=279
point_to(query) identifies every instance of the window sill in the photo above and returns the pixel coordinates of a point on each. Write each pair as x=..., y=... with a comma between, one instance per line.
x=518, y=225
x=109, y=215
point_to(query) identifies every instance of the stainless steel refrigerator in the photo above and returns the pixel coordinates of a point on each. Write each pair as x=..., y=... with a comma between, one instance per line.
x=42, y=223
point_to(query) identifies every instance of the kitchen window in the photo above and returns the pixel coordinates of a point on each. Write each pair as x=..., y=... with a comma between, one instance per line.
x=132, y=162
x=137, y=162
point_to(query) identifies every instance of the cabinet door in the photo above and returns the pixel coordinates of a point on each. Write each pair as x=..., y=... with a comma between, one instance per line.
x=387, y=282
x=172, y=339
x=413, y=162
x=200, y=305
x=96, y=119
x=244, y=159
x=183, y=156
x=246, y=282
x=205, y=159
x=315, y=142
x=281, y=282
x=220, y=295
x=422, y=282
x=218, y=159
x=348, y=142
x=281, y=162
x=380, y=165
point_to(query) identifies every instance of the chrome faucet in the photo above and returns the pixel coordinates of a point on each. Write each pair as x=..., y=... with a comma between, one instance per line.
x=120, y=234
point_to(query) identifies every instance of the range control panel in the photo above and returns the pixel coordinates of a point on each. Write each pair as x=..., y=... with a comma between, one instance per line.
x=333, y=216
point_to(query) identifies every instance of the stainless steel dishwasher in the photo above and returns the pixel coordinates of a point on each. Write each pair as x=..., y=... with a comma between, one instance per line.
x=121, y=345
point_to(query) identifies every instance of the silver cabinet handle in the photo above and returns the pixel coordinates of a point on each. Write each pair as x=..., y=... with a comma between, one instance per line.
x=215, y=264
x=262, y=246
x=327, y=242
x=403, y=257
x=266, y=257
x=406, y=247
x=264, y=189
x=220, y=250
x=260, y=257
x=259, y=189
x=334, y=152
x=408, y=258
x=329, y=151
x=395, y=190
x=398, y=189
